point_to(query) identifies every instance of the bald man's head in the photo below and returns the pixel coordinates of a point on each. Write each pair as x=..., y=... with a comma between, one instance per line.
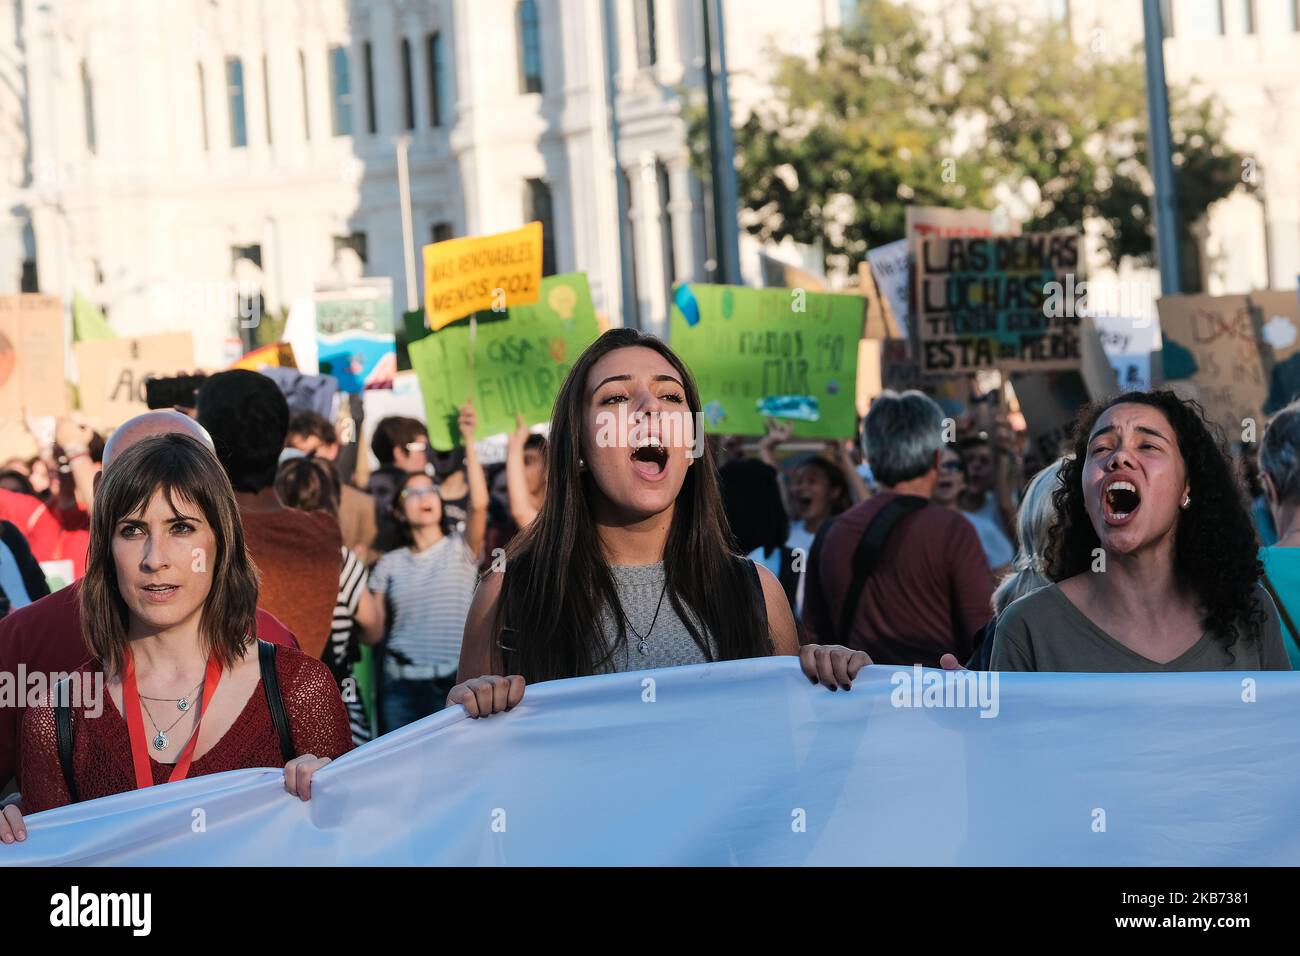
x=146, y=426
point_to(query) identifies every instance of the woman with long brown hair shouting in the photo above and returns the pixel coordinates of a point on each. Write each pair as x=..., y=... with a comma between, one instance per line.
x=629, y=565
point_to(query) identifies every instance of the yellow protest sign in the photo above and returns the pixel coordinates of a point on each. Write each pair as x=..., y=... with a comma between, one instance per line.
x=464, y=276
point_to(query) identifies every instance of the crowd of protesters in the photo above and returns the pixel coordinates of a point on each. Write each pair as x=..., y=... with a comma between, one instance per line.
x=230, y=578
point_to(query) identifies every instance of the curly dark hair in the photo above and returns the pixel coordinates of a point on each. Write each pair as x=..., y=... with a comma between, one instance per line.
x=1216, y=551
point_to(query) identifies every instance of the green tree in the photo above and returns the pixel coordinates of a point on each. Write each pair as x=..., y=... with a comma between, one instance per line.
x=888, y=114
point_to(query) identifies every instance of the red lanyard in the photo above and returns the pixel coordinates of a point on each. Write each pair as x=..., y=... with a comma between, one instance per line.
x=135, y=723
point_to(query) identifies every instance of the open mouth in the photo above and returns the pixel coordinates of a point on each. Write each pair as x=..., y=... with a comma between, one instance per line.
x=1120, y=499
x=650, y=458
x=160, y=592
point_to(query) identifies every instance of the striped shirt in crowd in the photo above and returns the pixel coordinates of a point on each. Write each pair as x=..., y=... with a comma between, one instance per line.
x=427, y=596
x=342, y=651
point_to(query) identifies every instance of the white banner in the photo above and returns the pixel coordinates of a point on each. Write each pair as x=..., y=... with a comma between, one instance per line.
x=748, y=763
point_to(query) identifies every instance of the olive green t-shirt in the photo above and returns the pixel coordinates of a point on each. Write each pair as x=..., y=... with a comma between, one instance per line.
x=1044, y=631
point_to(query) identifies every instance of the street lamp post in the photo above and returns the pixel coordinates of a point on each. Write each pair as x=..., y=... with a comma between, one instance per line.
x=1161, y=147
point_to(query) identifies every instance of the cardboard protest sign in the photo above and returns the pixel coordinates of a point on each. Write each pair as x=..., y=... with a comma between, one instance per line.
x=355, y=336
x=520, y=360
x=1277, y=322
x=32, y=352
x=1211, y=353
x=476, y=273
x=1050, y=401
x=899, y=369
x=889, y=267
x=1129, y=344
x=779, y=353
x=935, y=222
x=113, y=371
x=1009, y=302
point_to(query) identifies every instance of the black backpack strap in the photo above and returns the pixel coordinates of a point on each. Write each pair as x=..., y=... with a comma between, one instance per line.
x=758, y=590
x=1281, y=609
x=789, y=577
x=868, y=551
x=63, y=734
x=274, y=700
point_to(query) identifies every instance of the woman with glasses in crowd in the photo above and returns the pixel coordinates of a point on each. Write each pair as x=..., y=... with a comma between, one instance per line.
x=425, y=587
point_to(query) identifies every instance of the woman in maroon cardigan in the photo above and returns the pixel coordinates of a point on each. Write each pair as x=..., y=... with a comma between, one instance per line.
x=167, y=608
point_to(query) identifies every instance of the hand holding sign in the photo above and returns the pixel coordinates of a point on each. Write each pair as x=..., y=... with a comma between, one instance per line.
x=467, y=422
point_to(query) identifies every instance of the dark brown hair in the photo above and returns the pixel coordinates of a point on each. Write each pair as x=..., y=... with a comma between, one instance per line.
x=556, y=579
x=1216, y=551
x=180, y=467
x=308, y=484
x=402, y=527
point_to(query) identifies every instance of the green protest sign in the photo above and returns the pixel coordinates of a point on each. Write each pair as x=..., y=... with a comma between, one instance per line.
x=781, y=353
x=520, y=359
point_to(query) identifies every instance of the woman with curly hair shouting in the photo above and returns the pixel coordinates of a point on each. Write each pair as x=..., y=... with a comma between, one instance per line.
x=1153, y=560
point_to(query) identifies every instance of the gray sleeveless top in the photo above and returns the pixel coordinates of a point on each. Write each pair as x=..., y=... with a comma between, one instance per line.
x=668, y=644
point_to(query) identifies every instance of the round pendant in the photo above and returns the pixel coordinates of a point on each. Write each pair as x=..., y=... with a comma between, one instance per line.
x=642, y=646
x=183, y=704
x=160, y=742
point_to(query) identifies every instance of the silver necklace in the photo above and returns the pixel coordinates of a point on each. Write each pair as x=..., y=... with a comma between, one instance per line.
x=182, y=704
x=643, y=644
x=160, y=739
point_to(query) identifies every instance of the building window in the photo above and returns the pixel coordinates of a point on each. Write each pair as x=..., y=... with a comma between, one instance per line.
x=530, y=47
x=252, y=253
x=1247, y=16
x=88, y=106
x=28, y=283
x=1295, y=16
x=356, y=242
x=442, y=232
x=433, y=49
x=538, y=208
x=235, y=101
x=341, y=91
x=266, y=96
x=203, y=107
x=408, y=88
x=666, y=228
x=646, y=52
x=372, y=121
x=1220, y=20
x=1167, y=18
x=306, y=103
x=1057, y=11
x=848, y=14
